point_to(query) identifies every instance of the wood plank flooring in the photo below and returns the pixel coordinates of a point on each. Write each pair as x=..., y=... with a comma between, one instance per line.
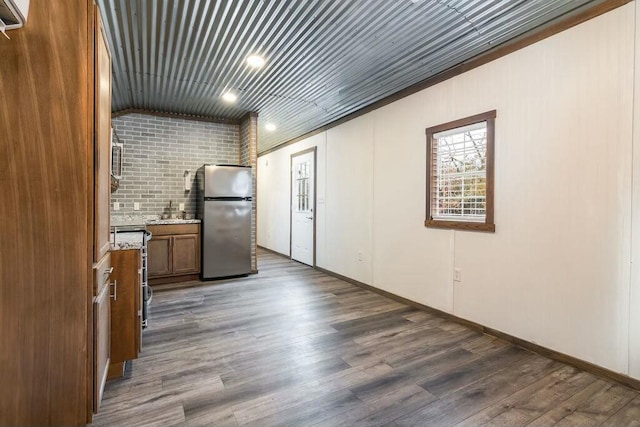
x=293, y=346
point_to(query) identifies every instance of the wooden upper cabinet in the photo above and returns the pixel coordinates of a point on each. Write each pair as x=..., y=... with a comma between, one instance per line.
x=102, y=144
x=186, y=254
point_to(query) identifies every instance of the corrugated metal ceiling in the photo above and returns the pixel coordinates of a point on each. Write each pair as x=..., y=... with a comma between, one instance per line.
x=325, y=58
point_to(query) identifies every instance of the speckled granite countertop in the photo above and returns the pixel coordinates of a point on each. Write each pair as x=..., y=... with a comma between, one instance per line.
x=172, y=221
x=126, y=240
x=130, y=229
x=123, y=221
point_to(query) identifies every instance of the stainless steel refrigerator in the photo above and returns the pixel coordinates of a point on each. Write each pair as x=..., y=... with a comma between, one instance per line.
x=224, y=206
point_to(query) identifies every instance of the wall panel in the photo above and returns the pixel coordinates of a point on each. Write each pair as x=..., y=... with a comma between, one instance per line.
x=634, y=303
x=557, y=269
x=349, y=199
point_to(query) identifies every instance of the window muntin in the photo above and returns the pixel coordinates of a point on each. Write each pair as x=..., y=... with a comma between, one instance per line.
x=461, y=160
x=302, y=174
x=460, y=174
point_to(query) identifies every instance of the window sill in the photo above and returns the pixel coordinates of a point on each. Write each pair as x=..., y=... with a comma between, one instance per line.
x=459, y=225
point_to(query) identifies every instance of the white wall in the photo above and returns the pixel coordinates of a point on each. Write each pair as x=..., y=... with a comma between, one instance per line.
x=274, y=194
x=634, y=302
x=349, y=199
x=557, y=271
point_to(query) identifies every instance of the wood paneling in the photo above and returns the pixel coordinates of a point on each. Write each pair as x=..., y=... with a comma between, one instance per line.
x=45, y=234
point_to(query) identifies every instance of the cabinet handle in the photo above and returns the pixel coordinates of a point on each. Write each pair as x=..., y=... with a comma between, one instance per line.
x=115, y=290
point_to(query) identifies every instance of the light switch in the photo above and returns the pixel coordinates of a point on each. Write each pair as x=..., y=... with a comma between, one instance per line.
x=116, y=206
x=136, y=206
x=181, y=206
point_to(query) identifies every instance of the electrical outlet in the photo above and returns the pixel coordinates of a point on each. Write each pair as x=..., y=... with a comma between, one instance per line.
x=360, y=255
x=116, y=206
x=181, y=206
x=457, y=275
x=136, y=206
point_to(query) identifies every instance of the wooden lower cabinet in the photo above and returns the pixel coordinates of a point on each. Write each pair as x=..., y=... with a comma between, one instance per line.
x=126, y=309
x=101, y=343
x=186, y=254
x=160, y=253
x=174, y=253
x=101, y=327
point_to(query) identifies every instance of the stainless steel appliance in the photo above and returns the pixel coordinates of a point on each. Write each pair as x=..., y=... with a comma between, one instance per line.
x=224, y=207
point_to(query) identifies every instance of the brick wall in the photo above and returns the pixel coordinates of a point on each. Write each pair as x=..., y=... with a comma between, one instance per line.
x=157, y=152
x=248, y=157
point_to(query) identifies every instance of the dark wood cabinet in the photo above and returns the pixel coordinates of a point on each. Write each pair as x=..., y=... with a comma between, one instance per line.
x=54, y=309
x=186, y=254
x=160, y=252
x=126, y=309
x=174, y=253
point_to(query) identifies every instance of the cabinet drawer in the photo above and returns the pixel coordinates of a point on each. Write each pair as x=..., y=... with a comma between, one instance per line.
x=101, y=272
x=173, y=229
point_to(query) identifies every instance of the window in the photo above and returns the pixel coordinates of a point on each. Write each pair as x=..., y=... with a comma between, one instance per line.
x=460, y=174
x=302, y=181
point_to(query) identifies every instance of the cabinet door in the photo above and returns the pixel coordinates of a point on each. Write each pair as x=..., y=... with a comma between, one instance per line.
x=102, y=144
x=101, y=343
x=125, y=322
x=159, y=256
x=186, y=254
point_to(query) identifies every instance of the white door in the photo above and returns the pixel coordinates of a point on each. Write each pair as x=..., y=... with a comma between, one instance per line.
x=302, y=206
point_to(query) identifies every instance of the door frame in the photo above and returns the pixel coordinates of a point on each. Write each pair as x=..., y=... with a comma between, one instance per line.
x=313, y=150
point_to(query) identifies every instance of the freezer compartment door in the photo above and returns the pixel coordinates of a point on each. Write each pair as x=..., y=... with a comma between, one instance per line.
x=227, y=181
x=226, y=238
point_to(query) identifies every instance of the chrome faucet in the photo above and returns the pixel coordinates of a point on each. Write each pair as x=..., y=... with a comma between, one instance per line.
x=170, y=209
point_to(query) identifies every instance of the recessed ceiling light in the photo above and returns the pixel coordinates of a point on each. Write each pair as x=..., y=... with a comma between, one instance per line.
x=255, y=61
x=230, y=97
x=270, y=127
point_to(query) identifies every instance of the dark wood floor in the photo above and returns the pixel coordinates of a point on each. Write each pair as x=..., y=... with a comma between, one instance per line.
x=293, y=346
